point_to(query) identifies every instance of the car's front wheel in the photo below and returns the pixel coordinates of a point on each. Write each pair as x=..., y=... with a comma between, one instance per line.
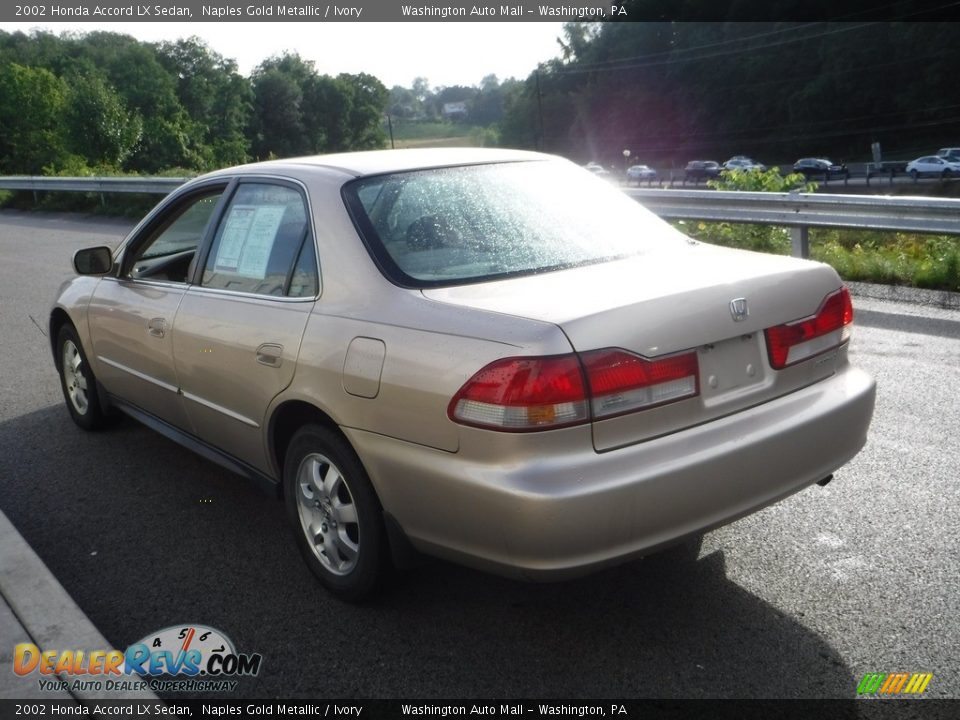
x=335, y=514
x=78, y=382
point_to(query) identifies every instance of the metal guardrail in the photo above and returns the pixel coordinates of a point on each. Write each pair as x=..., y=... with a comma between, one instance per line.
x=909, y=214
x=801, y=211
x=798, y=211
x=150, y=185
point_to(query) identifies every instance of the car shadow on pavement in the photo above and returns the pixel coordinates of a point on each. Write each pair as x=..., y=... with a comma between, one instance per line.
x=940, y=327
x=144, y=535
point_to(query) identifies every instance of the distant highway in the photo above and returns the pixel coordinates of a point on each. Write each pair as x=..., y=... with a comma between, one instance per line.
x=856, y=184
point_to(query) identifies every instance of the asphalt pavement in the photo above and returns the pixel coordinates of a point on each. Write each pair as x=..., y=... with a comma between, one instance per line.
x=797, y=601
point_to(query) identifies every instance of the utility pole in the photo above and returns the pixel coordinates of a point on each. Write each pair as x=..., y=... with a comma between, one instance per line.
x=540, y=138
x=390, y=125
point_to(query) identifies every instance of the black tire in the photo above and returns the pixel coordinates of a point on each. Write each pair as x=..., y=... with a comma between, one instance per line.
x=334, y=513
x=914, y=174
x=946, y=174
x=77, y=381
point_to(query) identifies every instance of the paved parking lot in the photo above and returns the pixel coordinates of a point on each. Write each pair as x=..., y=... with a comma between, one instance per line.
x=799, y=600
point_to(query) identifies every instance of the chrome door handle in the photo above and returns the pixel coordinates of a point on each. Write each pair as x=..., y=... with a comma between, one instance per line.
x=270, y=354
x=157, y=327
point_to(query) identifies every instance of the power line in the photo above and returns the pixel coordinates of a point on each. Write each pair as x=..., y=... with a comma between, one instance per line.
x=694, y=48
x=580, y=69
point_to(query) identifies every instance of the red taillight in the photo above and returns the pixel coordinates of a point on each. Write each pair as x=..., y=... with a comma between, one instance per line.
x=522, y=394
x=622, y=382
x=828, y=328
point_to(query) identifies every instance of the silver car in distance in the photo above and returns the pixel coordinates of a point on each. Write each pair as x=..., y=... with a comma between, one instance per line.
x=489, y=356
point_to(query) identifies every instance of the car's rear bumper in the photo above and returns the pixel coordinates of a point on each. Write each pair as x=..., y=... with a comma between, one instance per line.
x=575, y=510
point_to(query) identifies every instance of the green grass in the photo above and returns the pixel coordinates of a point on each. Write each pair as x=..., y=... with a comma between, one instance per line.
x=926, y=261
x=455, y=141
x=887, y=258
x=407, y=130
x=443, y=134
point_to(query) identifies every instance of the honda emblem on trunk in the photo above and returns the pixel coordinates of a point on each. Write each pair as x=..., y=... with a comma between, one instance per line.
x=738, y=309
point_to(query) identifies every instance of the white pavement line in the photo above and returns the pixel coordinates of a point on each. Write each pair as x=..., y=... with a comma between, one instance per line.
x=50, y=616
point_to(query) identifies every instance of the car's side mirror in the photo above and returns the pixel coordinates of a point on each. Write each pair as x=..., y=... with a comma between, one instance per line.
x=93, y=261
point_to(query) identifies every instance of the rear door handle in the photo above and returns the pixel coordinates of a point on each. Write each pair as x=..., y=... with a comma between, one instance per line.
x=270, y=354
x=157, y=327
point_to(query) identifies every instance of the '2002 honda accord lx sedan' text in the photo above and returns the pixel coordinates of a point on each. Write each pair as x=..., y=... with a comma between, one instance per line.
x=488, y=356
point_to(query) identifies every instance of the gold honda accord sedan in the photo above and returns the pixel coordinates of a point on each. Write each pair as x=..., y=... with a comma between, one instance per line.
x=488, y=356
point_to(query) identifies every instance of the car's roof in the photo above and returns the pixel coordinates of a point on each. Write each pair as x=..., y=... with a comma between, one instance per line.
x=376, y=162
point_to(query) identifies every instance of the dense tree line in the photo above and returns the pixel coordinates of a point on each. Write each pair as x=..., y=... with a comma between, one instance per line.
x=107, y=102
x=670, y=92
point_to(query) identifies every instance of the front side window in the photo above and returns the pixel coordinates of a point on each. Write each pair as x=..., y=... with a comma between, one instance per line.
x=263, y=244
x=453, y=225
x=169, y=248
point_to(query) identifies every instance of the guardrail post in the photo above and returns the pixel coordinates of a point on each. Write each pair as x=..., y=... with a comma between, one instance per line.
x=800, y=239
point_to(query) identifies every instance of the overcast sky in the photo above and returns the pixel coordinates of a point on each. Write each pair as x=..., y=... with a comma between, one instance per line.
x=444, y=53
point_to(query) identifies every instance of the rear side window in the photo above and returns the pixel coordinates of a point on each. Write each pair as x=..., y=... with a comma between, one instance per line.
x=263, y=244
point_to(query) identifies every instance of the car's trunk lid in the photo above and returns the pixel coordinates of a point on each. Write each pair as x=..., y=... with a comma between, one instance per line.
x=668, y=301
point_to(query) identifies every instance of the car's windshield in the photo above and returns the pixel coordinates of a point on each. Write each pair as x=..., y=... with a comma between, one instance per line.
x=453, y=225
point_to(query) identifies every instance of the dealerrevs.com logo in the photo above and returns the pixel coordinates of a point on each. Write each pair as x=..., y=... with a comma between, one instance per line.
x=894, y=684
x=179, y=658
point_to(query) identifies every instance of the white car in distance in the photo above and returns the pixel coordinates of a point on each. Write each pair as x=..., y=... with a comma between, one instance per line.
x=933, y=165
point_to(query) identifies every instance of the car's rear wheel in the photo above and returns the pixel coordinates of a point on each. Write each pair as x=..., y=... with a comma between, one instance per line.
x=78, y=382
x=335, y=514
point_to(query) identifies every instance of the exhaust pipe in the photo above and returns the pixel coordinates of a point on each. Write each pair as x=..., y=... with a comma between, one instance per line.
x=827, y=479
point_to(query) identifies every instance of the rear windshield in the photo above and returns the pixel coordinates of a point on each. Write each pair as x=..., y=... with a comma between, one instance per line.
x=452, y=226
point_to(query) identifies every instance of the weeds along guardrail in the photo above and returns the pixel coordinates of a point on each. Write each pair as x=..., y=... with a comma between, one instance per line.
x=797, y=211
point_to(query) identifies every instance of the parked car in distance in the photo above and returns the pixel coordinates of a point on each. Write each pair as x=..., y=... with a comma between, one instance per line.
x=950, y=153
x=742, y=162
x=596, y=168
x=483, y=355
x=638, y=173
x=820, y=167
x=933, y=165
x=697, y=170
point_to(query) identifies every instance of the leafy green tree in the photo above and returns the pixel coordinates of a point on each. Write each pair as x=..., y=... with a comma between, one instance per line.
x=486, y=106
x=764, y=238
x=770, y=180
x=32, y=102
x=366, y=102
x=298, y=111
x=217, y=100
x=277, y=117
x=147, y=88
x=99, y=127
x=403, y=103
